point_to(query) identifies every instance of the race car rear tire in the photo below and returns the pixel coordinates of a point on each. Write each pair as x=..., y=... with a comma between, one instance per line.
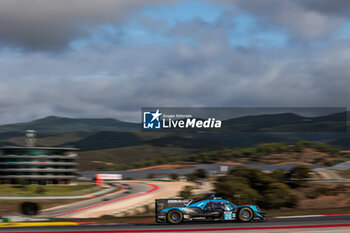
x=245, y=214
x=174, y=217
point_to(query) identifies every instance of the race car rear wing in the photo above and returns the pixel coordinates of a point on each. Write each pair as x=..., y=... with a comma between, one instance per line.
x=168, y=203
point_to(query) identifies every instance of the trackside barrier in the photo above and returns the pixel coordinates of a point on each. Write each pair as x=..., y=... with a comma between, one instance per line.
x=330, y=180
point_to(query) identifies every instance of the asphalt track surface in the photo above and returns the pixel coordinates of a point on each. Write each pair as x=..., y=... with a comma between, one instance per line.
x=294, y=224
x=68, y=210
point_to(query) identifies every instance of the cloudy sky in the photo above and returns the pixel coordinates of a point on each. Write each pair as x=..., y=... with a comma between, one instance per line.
x=109, y=58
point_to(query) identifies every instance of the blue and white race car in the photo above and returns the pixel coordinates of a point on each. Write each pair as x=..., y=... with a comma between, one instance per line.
x=175, y=211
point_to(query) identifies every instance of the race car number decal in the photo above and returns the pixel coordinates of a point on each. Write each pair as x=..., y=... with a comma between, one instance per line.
x=229, y=215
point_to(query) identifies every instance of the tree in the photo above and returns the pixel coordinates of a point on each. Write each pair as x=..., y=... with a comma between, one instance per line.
x=246, y=185
x=254, y=177
x=279, y=195
x=186, y=192
x=279, y=175
x=298, y=175
x=201, y=173
x=191, y=177
x=236, y=192
x=198, y=174
x=174, y=176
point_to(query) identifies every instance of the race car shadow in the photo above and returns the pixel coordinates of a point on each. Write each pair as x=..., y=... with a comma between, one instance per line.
x=207, y=222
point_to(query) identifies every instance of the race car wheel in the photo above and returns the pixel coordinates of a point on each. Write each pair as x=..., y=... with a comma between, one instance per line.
x=175, y=217
x=245, y=214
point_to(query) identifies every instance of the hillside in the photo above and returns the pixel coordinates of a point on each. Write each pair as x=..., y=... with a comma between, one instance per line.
x=117, y=158
x=118, y=143
x=308, y=153
x=288, y=122
x=54, y=125
x=281, y=122
x=106, y=140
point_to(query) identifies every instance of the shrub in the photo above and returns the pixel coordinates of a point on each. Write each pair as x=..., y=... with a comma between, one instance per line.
x=186, y=192
x=201, y=173
x=40, y=190
x=174, y=176
x=279, y=195
x=245, y=185
x=237, y=192
x=198, y=174
x=279, y=175
x=255, y=178
x=297, y=176
x=321, y=191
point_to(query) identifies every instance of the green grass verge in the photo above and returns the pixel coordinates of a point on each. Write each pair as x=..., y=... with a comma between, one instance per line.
x=12, y=207
x=39, y=190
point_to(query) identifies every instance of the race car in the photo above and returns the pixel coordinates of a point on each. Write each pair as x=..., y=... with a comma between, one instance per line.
x=175, y=211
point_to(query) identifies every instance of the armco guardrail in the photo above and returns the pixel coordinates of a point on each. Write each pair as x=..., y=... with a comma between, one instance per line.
x=330, y=180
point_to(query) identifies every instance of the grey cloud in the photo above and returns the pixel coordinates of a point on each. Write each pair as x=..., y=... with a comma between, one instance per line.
x=124, y=80
x=52, y=25
x=331, y=7
x=41, y=25
x=304, y=19
x=116, y=81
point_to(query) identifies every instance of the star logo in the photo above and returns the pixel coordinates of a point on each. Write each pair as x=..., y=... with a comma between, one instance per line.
x=152, y=120
x=156, y=115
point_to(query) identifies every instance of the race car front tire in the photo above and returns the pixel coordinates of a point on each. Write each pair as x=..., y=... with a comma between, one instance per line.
x=175, y=217
x=245, y=214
